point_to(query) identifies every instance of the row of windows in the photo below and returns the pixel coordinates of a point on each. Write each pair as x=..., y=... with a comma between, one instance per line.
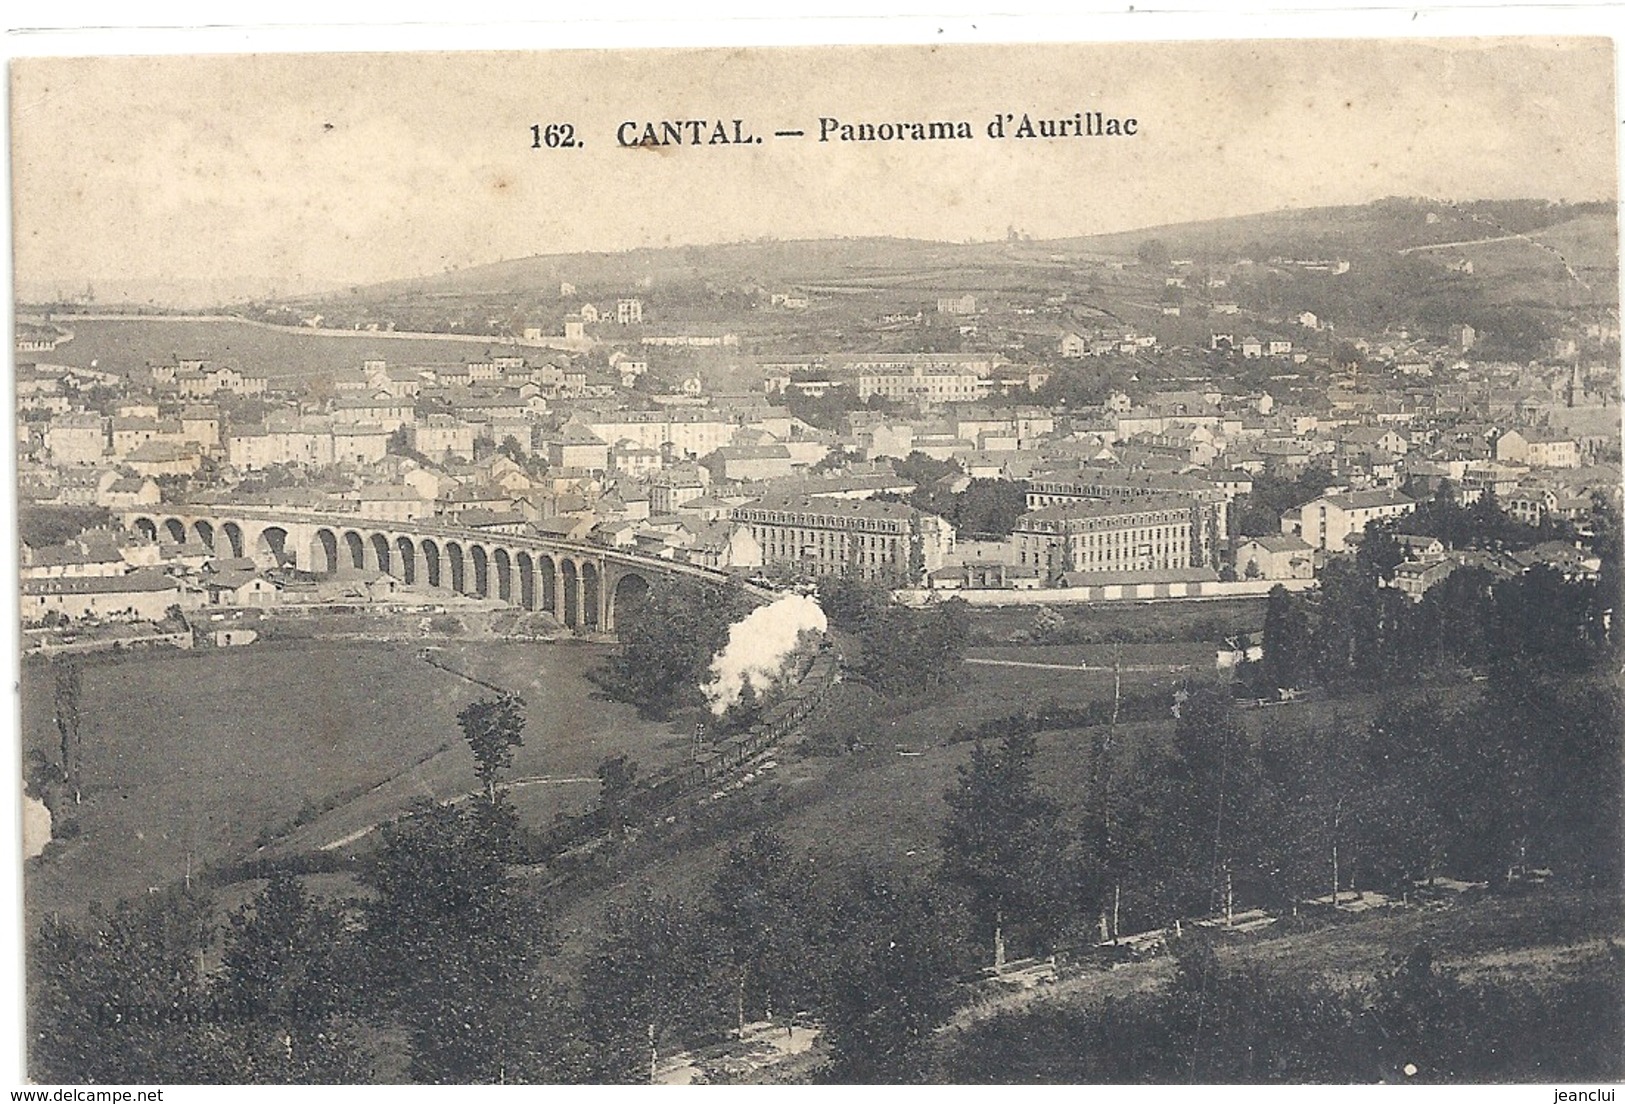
x=1110, y=559
x=1115, y=523
x=795, y=541
x=1158, y=534
x=1067, y=492
x=803, y=521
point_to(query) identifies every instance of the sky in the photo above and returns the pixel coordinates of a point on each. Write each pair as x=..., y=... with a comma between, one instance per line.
x=320, y=170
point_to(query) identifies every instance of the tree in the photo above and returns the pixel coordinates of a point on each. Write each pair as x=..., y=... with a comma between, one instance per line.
x=454, y=947
x=651, y=978
x=511, y=448
x=1315, y=788
x=1380, y=551
x=850, y=602
x=1046, y=624
x=1002, y=841
x=123, y=999
x=284, y=978
x=987, y=508
x=923, y=470
x=38, y=526
x=1286, y=640
x=1154, y=252
x=834, y=460
x=1417, y=1022
x=617, y=791
x=759, y=907
x=895, y=949
x=65, y=703
x=493, y=727
x=666, y=652
x=907, y=651
x=1258, y=513
x=1197, y=826
x=1412, y=766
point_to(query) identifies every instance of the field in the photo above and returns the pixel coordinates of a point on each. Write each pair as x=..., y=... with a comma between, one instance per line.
x=1193, y=657
x=191, y=757
x=126, y=346
x=1126, y=622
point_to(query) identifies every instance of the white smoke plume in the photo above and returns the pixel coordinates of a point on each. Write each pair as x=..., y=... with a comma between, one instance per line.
x=758, y=646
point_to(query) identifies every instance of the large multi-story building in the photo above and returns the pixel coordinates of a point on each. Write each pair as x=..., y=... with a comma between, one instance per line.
x=380, y=409
x=360, y=444
x=982, y=365
x=683, y=432
x=440, y=435
x=1146, y=533
x=1329, y=520
x=1208, y=504
x=1539, y=448
x=306, y=442
x=76, y=438
x=392, y=502
x=130, y=434
x=922, y=377
x=858, y=537
x=673, y=487
x=577, y=448
x=922, y=384
x=196, y=377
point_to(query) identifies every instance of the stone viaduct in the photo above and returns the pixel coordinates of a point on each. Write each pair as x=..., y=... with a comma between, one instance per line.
x=581, y=584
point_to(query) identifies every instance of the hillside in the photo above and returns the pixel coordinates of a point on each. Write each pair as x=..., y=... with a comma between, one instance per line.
x=1584, y=234
x=768, y=263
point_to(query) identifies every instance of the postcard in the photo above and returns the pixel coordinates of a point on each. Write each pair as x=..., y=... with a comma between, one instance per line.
x=1063, y=562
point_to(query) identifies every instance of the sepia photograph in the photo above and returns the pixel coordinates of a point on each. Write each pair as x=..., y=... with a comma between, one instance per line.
x=1045, y=563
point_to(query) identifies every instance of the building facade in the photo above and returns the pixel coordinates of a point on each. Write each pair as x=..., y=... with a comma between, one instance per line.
x=1141, y=534
x=1207, y=502
x=919, y=384
x=882, y=541
x=1330, y=520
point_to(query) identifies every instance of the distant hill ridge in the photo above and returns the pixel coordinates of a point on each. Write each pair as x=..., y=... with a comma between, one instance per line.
x=1386, y=226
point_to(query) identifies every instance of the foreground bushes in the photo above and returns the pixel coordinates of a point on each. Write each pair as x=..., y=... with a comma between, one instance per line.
x=1416, y=1022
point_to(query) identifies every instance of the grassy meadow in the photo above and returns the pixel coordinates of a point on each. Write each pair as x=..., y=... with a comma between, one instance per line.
x=202, y=756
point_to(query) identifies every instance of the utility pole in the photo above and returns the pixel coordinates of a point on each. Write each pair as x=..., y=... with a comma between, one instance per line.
x=1106, y=782
x=1337, y=817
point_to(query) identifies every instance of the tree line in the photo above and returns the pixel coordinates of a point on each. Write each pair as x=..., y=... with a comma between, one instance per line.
x=1230, y=1023
x=1357, y=628
x=446, y=972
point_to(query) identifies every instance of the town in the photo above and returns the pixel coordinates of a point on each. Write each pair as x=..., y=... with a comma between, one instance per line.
x=1001, y=446
x=869, y=655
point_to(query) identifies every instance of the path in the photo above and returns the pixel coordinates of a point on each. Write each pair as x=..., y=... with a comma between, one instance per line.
x=1459, y=244
x=1142, y=668
x=516, y=784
